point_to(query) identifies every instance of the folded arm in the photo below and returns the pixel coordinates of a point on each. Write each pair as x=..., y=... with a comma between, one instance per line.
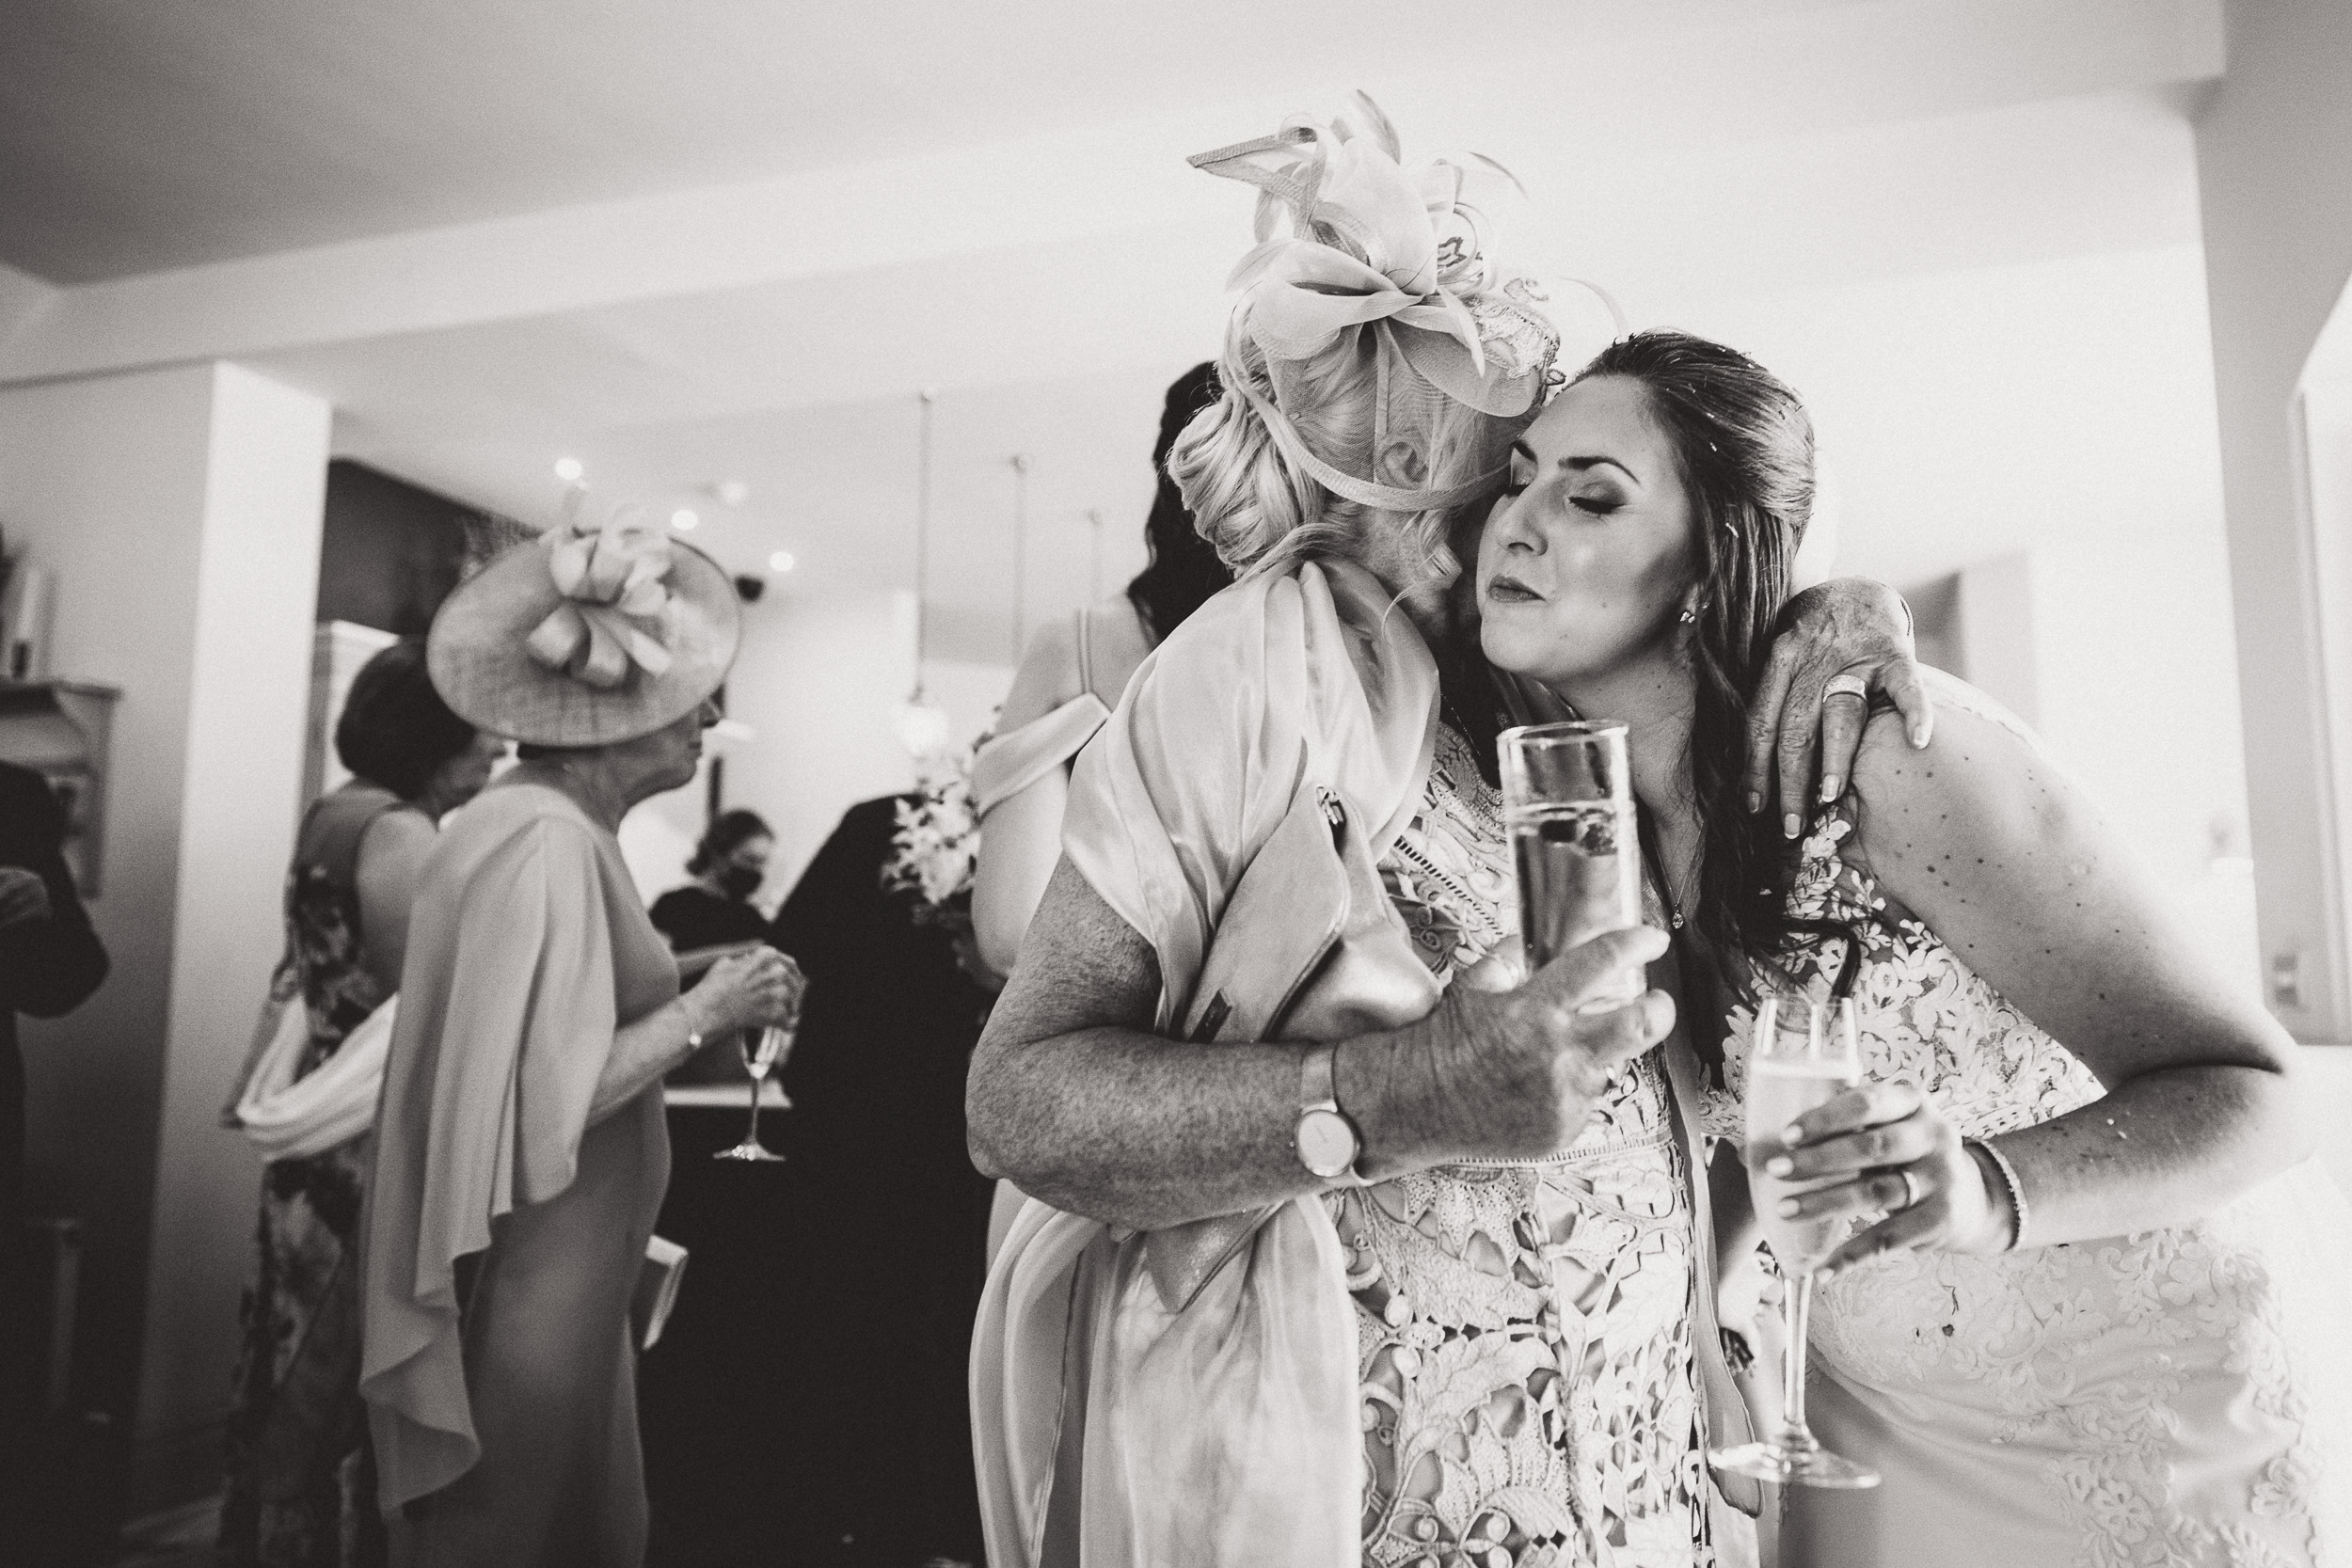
x=1074, y=1098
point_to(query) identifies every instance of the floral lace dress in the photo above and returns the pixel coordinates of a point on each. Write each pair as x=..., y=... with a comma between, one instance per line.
x=2172, y=1398
x=1524, y=1331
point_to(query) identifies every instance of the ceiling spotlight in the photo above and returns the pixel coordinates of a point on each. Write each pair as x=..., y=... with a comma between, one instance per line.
x=568, y=469
x=682, y=519
x=781, y=562
x=732, y=492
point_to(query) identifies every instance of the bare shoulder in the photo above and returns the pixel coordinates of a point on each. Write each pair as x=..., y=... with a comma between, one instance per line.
x=396, y=836
x=1957, y=812
x=1048, y=676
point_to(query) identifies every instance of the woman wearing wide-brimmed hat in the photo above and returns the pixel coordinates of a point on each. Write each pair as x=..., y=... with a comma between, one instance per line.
x=520, y=1151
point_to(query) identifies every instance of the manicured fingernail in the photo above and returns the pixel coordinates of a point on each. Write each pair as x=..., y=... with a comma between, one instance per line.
x=1919, y=735
x=1779, y=1165
x=1823, y=1274
x=1829, y=787
x=1756, y=802
x=1792, y=1134
x=1787, y=1207
x=1789, y=824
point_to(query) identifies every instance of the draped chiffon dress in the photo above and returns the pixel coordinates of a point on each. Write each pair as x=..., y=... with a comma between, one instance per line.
x=506, y=1230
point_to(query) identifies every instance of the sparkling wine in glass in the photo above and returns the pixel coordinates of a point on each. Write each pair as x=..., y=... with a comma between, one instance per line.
x=760, y=1053
x=1804, y=1053
x=1567, y=801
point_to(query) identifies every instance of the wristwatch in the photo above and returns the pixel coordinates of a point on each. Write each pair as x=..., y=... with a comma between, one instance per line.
x=1328, y=1144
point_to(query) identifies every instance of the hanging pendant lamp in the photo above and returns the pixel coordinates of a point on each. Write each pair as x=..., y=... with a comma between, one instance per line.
x=922, y=724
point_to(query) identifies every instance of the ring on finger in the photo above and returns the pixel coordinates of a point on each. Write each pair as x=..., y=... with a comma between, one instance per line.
x=1846, y=684
x=1910, y=1186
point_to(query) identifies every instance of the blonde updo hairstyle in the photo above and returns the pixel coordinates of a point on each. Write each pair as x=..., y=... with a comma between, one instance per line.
x=1261, y=513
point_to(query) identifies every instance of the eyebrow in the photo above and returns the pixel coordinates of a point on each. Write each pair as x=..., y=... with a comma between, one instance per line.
x=1576, y=465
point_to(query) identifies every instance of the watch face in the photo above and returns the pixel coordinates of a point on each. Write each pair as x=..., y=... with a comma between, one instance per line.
x=1327, y=1143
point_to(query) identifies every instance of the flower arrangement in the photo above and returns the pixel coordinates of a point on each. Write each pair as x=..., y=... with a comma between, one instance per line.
x=937, y=843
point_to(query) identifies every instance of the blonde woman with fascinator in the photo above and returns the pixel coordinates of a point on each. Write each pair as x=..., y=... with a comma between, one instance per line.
x=1353, y=1243
x=2085, y=1301
x=521, y=1152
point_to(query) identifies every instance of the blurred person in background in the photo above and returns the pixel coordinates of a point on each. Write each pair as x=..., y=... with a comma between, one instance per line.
x=521, y=1152
x=729, y=865
x=301, y=1482
x=50, y=963
x=1069, y=681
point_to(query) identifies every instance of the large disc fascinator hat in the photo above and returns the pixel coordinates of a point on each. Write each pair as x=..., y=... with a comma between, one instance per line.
x=588, y=635
x=1393, y=260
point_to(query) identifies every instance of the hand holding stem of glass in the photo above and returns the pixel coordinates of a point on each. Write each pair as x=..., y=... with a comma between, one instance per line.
x=1567, y=801
x=1803, y=1054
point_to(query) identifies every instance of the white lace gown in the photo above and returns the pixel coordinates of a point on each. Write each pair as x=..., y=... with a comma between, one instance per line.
x=2174, y=1398
x=1524, y=1331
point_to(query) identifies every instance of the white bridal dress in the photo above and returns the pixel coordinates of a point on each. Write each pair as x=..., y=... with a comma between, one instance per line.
x=2176, y=1398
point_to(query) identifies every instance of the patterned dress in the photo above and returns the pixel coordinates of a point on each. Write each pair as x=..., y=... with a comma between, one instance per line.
x=2173, y=1398
x=301, y=1486
x=1524, y=1330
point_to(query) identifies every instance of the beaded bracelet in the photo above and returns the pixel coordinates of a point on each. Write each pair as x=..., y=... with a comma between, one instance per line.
x=2016, y=1191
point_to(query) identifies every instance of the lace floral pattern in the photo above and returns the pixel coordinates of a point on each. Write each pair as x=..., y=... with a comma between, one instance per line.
x=1524, y=1331
x=2126, y=1381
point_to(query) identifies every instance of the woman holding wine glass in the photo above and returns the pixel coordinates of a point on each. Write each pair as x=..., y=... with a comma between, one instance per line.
x=1423, y=1289
x=521, y=1151
x=2077, y=1295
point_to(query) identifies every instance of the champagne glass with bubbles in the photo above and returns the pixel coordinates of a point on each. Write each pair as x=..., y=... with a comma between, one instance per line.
x=1567, y=801
x=1804, y=1053
x=760, y=1053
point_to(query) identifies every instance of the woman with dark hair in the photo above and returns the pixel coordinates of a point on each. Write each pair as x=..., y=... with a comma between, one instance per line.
x=1069, y=681
x=1355, y=1241
x=729, y=863
x=2082, y=1310
x=301, y=1481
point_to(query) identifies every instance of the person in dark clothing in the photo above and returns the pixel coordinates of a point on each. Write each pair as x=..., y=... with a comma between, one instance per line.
x=808, y=1404
x=716, y=906
x=51, y=961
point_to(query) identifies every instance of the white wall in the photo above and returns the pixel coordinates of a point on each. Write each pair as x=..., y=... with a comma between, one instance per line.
x=817, y=680
x=2060, y=414
x=2274, y=151
x=180, y=511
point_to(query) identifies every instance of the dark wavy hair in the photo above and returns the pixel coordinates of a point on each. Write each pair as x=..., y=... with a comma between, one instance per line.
x=1184, y=572
x=728, y=830
x=1744, y=446
x=395, y=731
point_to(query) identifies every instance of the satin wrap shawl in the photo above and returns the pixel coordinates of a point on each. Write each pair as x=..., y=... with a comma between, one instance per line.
x=1225, y=1435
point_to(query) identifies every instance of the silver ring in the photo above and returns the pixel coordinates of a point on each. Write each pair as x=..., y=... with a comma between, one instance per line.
x=1910, y=1186
x=1846, y=686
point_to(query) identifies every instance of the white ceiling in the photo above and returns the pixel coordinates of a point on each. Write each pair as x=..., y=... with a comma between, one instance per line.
x=136, y=136
x=719, y=239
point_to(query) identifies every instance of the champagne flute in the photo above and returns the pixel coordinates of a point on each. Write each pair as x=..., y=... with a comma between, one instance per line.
x=1804, y=1053
x=1567, y=801
x=773, y=1045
